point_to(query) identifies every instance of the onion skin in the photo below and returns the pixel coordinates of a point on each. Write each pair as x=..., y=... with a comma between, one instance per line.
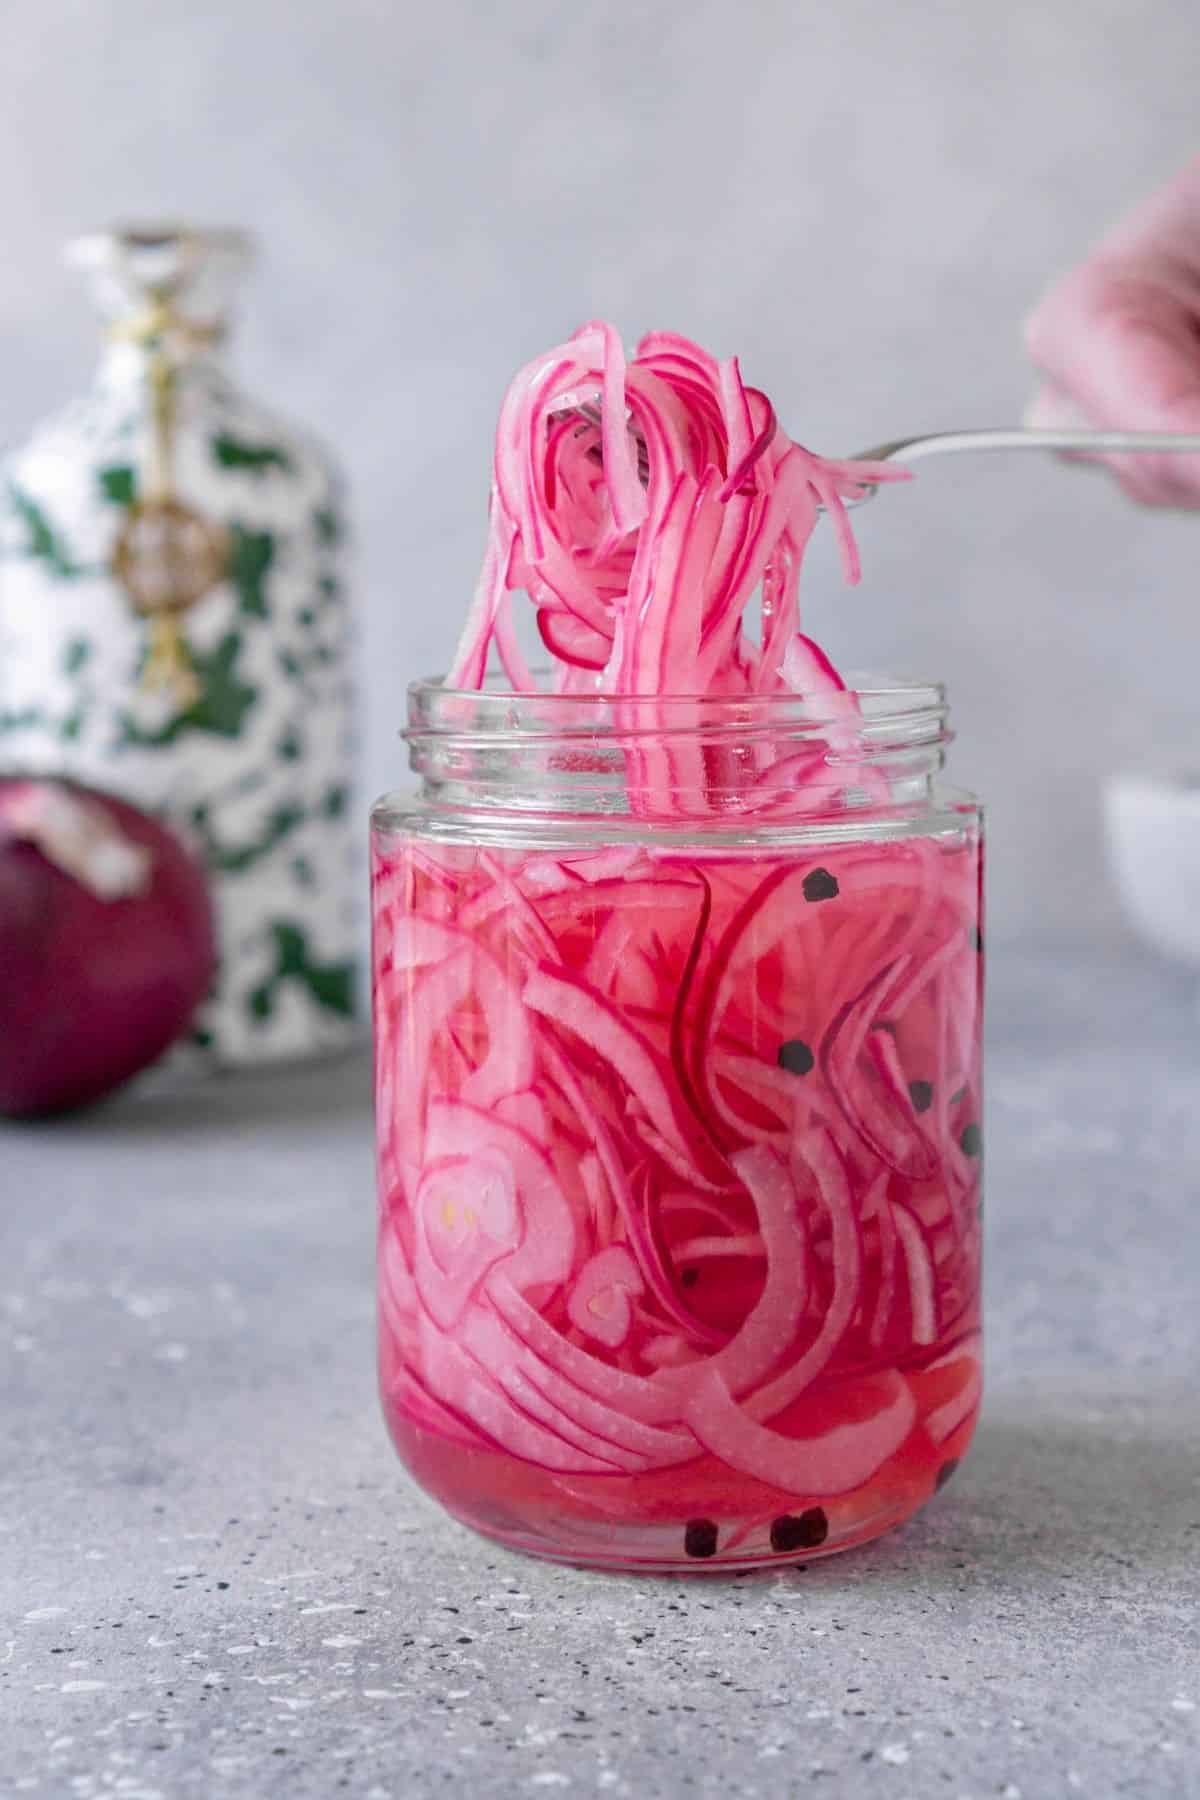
x=93, y=987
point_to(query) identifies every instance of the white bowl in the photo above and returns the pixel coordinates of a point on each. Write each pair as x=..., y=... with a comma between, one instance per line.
x=1153, y=827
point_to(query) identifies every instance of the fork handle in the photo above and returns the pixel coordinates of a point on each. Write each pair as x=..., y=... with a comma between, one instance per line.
x=1028, y=437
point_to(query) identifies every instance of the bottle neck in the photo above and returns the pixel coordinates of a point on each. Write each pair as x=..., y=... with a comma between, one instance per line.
x=164, y=296
x=124, y=364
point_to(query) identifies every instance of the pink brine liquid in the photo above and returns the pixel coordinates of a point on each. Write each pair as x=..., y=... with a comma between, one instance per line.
x=679, y=1160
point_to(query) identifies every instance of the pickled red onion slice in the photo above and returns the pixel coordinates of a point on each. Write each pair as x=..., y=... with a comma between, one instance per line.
x=564, y=1235
x=641, y=505
x=829, y=1463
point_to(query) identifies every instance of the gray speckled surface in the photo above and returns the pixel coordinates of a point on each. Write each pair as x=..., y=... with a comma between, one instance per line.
x=216, y=1582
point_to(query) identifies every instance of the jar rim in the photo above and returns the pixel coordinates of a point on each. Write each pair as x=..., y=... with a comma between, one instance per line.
x=710, y=761
x=495, y=708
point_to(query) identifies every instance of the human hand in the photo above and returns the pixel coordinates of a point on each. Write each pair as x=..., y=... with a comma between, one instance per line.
x=1116, y=341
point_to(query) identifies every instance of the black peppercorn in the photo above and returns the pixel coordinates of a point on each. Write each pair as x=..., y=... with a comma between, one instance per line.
x=700, y=1537
x=971, y=1140
x=795, y=1056
x=800, y=1531
x=819, y=884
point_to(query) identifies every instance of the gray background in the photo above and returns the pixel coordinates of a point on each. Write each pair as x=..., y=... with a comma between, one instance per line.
x=861, y=199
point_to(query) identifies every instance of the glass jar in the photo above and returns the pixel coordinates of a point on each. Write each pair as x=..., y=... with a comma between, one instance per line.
x=678, y=1018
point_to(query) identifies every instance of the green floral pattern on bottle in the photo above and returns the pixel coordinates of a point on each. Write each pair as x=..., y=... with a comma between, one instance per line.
x=118, y=483
x=251, y=554
x=233, y=859
x=220, y=708
x=67, y=727
x=16, y=719
x=43, y=542
x=331, y=985
x=230, y=452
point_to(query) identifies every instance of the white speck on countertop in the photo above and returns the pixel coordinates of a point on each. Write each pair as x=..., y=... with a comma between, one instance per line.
x=894, y=1753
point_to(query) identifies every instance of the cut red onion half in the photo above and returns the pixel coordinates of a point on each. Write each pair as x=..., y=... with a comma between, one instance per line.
x=106, y=943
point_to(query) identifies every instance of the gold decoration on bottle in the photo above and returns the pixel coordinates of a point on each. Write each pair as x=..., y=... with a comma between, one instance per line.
x=167, y=555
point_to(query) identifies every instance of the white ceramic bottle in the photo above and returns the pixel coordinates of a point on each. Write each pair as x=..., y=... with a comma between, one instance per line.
x=173, y=627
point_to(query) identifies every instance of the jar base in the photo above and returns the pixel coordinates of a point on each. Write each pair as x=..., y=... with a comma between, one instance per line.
x=769, y=1530
x=633, y=1553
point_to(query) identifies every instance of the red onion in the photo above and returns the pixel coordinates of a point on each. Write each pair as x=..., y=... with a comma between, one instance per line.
x=106, y=943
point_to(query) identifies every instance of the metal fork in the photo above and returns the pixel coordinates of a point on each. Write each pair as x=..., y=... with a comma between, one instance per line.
x=1005, y=437
x=1023, y=437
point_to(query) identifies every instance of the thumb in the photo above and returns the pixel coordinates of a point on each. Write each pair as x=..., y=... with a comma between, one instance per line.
x=1120, y=351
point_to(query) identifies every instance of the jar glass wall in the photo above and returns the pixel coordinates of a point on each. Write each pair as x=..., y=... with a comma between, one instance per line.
x=678, y=1015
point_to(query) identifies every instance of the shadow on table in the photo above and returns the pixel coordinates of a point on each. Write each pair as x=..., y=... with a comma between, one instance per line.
x=237, y=1101
x=1055, y=1499
x=1045, y=1501
x=1065, y=1494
